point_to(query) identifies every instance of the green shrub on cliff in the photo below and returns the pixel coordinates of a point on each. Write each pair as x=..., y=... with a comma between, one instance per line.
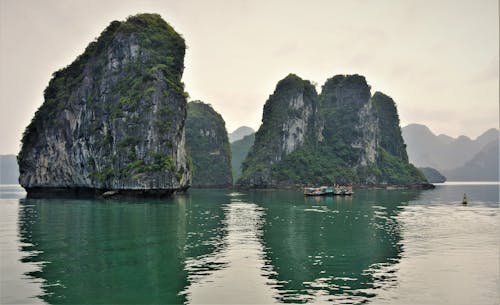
x=312, y=166
x=390, y=132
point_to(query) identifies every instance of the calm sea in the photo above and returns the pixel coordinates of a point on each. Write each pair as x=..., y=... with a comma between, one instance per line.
x=221, y=246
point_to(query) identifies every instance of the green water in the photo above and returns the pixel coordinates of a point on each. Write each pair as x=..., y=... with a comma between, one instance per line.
x=219, y=246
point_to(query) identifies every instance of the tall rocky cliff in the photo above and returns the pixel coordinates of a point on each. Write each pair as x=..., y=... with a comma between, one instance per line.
x=114, y=118
x=344, y=135
x=289, y=122
x=208, y=144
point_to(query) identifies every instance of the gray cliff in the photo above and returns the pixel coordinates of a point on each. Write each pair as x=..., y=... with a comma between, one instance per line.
x=114, y=118
x=289, y=121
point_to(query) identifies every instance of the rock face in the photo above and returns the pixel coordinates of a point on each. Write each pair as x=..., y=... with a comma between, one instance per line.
x=289, y=122
x=344, y=135
x=208, y=144
x=114, y=118
x=390, y=137
x=349, y=118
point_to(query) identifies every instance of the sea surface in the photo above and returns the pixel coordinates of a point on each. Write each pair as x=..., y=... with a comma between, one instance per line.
x=259, y=247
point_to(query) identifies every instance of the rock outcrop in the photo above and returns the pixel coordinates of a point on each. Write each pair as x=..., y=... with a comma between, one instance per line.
x=208, y=144
x=114, y=118
x=289, y=122
x=349, y=118
x=344, y=135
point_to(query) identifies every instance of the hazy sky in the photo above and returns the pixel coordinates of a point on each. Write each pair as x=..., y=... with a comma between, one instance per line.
x=437, y=59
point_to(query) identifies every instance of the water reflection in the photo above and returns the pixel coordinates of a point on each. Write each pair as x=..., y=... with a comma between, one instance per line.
x=115, y=252
x=241, y=276
x=450, y=252
x=213, y=247
x=388, y=247
x=331, y=249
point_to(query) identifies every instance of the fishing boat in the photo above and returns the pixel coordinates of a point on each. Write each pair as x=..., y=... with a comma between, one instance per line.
x=348, y=191
x=343, y=190
x=328, y=191
x=313, y=191
x=338, y=191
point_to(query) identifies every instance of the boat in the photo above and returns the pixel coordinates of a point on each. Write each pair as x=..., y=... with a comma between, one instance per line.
x=338, y=190
x=328, y=191
x=348, y=191
x=313, y=191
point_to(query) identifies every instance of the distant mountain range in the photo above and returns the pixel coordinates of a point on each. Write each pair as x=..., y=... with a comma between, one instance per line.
x=432, y=175
x=459, y=159
x=239, y=133
x=482, y=167
x=9, y=171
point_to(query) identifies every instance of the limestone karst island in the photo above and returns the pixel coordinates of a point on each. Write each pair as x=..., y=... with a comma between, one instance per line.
x=114, y=119
x=116, y=122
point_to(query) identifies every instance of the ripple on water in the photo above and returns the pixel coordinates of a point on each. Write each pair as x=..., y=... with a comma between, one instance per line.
x=449, y=252
x=378, y=247
x=240, y=263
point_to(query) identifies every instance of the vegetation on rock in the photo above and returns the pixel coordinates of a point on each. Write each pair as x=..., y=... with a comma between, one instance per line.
x=344, y=135
x=389, y=130
x=114, y=118
x=208, y=144
x=288, y=122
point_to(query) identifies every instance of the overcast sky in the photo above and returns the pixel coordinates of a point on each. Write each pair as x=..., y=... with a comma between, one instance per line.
x=439, y=60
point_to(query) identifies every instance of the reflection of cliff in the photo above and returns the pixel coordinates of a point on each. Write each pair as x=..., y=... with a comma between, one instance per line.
x=240, y=274
x=175, y=251
x=334, y=248
x=207, y=232
x=114, y=252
